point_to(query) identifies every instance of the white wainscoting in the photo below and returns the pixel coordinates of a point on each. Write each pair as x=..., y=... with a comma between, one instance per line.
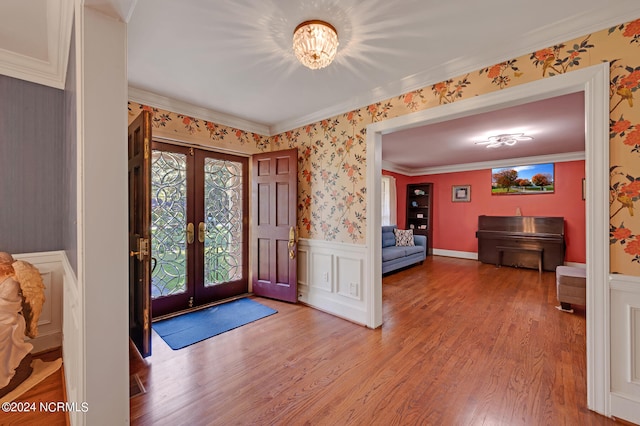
x=73, y=342
x=625, y=347
x=59, y=323
x=51, y=269
x=331, y=278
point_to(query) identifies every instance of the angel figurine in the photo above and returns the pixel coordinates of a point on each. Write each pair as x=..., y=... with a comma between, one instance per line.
x=21, y=300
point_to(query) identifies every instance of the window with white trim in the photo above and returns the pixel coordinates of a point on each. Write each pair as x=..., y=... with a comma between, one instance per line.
x=389, y=207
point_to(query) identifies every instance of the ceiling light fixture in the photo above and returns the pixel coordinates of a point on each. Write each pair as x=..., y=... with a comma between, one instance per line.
x=315, y=43
x=506, y=139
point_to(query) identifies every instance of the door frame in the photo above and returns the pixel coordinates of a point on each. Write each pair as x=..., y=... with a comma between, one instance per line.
x=594, y=82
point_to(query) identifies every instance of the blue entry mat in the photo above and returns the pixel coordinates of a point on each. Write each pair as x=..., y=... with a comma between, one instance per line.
x=187, y=329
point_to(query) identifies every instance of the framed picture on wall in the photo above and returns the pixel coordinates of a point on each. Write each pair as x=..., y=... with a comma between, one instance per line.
x=461, y=193
x=529, y=179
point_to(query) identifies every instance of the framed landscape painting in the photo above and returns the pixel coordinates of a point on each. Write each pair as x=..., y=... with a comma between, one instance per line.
x=523, y=180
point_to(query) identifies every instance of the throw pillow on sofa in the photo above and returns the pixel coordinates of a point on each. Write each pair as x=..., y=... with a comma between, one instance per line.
x=404, y=237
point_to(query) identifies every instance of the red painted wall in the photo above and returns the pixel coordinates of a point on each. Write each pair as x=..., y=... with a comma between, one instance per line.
x=455, y=224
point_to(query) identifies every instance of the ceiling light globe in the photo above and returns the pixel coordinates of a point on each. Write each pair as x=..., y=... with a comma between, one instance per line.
x=315, y=43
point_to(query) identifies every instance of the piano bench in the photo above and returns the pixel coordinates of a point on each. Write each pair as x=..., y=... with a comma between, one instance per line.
x=537, y=251
x=571, y=287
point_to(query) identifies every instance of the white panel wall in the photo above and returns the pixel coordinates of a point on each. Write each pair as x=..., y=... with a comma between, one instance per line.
x=72, y=343
x=51, y=267
x=60, y=322
x=625, y=344
x=331, y=278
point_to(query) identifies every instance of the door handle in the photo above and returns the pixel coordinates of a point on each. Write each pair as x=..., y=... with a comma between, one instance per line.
x=292, y=243
x=201, y=228
x=190, y=233
x=143, y=249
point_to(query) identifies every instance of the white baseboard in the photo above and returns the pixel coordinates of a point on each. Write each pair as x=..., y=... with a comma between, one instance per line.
x=625, y=407
x=474, y=256
x=454, y=253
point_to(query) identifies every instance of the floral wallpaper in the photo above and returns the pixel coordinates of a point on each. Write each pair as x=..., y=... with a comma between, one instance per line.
x=170, y=125
x=331, y=153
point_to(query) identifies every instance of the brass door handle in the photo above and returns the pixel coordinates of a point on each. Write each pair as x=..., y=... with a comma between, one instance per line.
x=292, y=243
x=201, y=231
x=143, y=249
x=190, y=233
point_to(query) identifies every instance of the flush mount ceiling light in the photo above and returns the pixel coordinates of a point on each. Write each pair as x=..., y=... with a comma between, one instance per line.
x=315, y=43
x=506, y=139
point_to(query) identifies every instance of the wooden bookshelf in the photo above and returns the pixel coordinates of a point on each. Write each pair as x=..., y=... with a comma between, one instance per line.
x=420, y=211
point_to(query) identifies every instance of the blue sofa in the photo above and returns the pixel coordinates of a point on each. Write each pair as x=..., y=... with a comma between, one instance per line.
x=394, y=257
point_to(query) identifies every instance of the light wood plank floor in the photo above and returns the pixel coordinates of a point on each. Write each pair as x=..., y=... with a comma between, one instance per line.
x=463, y=343
x=49, y=390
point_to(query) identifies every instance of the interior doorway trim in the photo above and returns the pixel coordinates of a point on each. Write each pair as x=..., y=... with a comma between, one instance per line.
x=594, y=82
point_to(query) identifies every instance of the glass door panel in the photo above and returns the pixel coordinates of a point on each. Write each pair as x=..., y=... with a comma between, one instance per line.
x=168, y=223
x=223, y=243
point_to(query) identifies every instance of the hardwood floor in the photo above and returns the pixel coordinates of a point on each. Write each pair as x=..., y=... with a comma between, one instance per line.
x=50, y=390
x=463, y=343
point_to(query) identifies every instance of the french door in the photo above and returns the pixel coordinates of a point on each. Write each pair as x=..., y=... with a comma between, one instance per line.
x=139, y=144
x=199, y=227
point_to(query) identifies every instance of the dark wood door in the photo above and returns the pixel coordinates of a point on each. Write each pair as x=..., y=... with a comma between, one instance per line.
x=200, y=227
x=274, y=231
x=140, y=233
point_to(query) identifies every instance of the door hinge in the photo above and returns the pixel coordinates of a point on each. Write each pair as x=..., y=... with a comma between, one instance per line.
x=146, y=148
x=191, y=302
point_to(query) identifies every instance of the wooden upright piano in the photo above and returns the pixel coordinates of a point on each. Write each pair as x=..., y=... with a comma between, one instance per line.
x=521, y=241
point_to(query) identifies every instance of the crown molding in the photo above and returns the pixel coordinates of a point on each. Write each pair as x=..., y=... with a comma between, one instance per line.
x=484, y=165
x=151, y=99
x=574, y=27
x=51, y=72
x=395, y=168
x=122, y=10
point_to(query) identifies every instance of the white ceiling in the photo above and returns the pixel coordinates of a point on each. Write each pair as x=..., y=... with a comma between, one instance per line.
x=235, y=57
x=232, y=62
x=556, y=124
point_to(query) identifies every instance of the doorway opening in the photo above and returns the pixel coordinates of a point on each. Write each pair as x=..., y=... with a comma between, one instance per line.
x=199, y=227
x=594, y=82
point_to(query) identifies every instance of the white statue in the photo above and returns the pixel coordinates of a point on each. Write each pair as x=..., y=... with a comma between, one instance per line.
x=21, y=299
